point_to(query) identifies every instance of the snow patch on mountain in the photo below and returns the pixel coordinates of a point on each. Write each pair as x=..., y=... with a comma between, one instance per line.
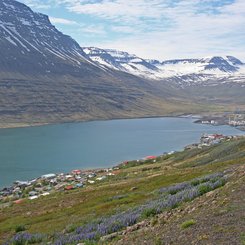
x=189, y=71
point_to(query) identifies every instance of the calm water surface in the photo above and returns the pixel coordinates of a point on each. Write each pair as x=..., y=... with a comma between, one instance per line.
x=27, y=153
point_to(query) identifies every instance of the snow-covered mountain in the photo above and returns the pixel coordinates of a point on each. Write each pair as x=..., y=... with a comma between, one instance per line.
x=190, y=70
x=45, y=76
x=120, y=60
x=30, y=42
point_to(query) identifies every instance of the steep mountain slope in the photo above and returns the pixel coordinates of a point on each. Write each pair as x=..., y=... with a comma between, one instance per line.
x=46, y=77
x=29, y=43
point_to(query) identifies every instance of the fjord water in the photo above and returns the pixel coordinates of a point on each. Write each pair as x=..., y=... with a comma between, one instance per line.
x=26, y=153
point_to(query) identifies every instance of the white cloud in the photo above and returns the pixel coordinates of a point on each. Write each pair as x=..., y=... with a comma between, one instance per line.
x=186, y=30
x=55, y=20
x=162, y=28
x=123, y=29
x=118, y=10
x=37, y=4
x=92, y=29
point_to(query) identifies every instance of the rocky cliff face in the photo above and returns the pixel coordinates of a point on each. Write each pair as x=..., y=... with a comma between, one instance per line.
x=31, y=44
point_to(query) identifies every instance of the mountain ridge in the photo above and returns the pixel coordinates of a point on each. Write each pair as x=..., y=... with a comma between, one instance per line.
x=46, y=77
x=154, y=69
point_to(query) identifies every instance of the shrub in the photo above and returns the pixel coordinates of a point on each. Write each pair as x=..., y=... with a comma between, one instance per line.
x=243, y=238
x=149, y=212
x=25, y=239
x=20, y=228
x=188, y=223
x=167, y=198
x=154, y=221
x=159, y=241
x=70, y=228
x=204, y=189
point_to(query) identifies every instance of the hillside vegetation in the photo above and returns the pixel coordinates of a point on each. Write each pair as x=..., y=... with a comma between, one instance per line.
x=196, y=193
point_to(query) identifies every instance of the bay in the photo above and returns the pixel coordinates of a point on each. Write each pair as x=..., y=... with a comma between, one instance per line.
x=26, y=153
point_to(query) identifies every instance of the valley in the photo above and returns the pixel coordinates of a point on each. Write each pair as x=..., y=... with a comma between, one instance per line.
x=46, y=77
x=80, y=177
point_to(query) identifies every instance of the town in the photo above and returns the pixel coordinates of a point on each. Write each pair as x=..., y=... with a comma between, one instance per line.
x=50, y=183
x=236, y=119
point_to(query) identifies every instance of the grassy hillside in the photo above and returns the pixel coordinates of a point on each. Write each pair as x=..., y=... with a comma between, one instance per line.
x=134, y=197
x=27, y=99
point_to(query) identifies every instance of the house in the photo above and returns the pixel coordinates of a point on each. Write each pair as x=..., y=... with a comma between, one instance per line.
x=76, y=172
x=92, y=175
x=45, y=194
x=101, y=178
x=33, y=193
x=192, y=146
x=79, y=185
x=33, y=197
x=110, y=174
x=150, y=157
x=22, y=184
x=69, y=176
x=48, y=176
x=18, y=201
x=171, y=152
x=69, y=187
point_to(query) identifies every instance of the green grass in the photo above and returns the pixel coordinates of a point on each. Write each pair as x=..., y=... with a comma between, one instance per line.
x=150, y=212
x=188, y=223
x=67, y=210
x=243, y=239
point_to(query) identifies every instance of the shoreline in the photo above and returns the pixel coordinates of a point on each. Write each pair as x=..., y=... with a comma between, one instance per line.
x=80, y=178
x=29, y=125
x=187, y=116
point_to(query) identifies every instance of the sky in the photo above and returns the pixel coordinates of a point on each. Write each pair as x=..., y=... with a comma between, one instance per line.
x=154, y=29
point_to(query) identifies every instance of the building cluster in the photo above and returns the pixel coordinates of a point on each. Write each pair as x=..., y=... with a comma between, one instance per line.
x=50, y=183
x=211, y=139
x=237, y=123
x=212, y=122
x=237, y=119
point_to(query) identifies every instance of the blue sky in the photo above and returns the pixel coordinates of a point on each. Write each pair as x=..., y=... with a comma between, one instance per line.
x=160, y=29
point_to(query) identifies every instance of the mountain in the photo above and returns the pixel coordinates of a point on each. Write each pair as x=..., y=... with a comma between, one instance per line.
x=45, y=76
x=210, y=81
x=122, y=61
x=198, y=69
x=29, y=43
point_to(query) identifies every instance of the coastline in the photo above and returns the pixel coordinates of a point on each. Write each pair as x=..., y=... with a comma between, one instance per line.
x=6, y=125
x=220, y=120
x=21, y=125
x=79, y=178
x=197, y=117
x=190, y=117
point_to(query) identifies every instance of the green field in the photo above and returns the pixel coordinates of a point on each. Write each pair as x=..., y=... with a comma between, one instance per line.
x=130, y=187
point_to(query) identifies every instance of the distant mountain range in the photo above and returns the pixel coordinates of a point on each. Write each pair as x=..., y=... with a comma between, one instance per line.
x=198, y=69
x=45, y=76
